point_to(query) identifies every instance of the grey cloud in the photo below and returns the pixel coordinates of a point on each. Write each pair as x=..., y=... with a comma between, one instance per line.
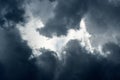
x=78, y=64
x=113, y=51
x=67, y=14
x=42, y=9
x=102, y=21
x=52, y=0
x=46, y=64
x=100, y=16
x=11, y=13
x=14, y=59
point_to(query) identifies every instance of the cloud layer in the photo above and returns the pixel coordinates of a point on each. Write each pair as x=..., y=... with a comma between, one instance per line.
x=11, y=12
x=78, y=64
x=67, y=15
x=60, y=40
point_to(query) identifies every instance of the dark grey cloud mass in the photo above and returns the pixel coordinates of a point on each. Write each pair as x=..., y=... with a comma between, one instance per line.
x=101, y=16
x=114, y=52
x=79, y=64
x=93, y=67
x=42, y=9
x=46, y=64
x=102, y=21
x=76, y=62
x=67, y=14
x=11, y=13
x=14, y=63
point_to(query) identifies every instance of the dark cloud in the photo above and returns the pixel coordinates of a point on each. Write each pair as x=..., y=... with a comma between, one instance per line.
x=67, y=14
x=113, y=52
x=102, y=21
x=79, y=64
x=46, y=64
x=102, y=16
x=52, y=0
x=2, y=75
x=42, y=9
x=76, y=62
x=15, y=64
x=112, y=69
x=11, y=13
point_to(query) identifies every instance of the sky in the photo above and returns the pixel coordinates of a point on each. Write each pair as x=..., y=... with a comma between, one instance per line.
x=59, y=40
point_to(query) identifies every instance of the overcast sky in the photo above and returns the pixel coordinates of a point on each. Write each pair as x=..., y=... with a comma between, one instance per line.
x=59, y=40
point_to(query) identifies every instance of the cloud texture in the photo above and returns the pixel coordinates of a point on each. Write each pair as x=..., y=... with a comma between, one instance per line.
x=69, y=38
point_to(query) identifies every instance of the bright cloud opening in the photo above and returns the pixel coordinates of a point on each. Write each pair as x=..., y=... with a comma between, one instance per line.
x=37, y=41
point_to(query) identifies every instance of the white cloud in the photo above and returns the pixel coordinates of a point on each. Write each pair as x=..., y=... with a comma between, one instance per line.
x=37, y=41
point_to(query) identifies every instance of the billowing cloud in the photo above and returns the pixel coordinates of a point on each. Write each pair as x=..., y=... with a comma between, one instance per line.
x=11, y=13
x=72, y=36
x=113, y=52
x=67, y=15
x=14, y=57
x=55, y=43
x=46, y=64
x=41, y=9
x=77, y=63
x=102, y=21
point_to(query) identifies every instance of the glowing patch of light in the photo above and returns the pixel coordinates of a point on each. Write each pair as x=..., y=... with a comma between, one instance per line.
x=37, y=41
x=85, y=36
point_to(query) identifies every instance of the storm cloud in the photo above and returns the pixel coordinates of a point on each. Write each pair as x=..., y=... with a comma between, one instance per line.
x=67, y=14
x=102, y=21
x=46, y=64
x=95, y=22
x=102, y=17
x=77, y=63
x=14, y=57
x=11, y=13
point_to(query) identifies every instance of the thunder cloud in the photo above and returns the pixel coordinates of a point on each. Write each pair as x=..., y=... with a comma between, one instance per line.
x=59, y=40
